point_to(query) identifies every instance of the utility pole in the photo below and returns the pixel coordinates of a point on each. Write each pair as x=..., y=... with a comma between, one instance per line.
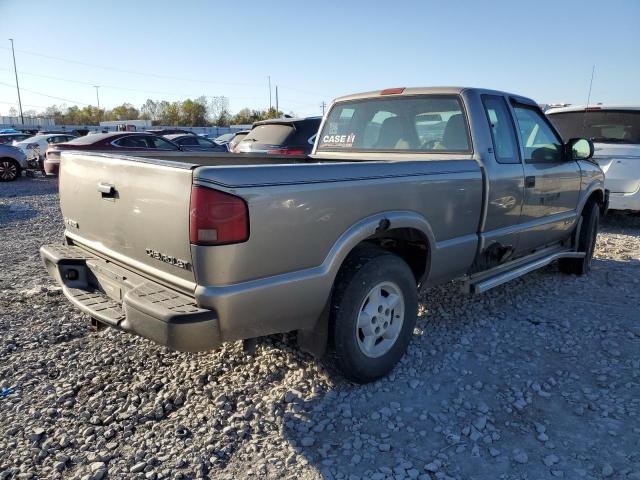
x=277, y=109
x=98, y=99
x=269, y=77
x=17, y=86
x=97, y=96
x=323, y=105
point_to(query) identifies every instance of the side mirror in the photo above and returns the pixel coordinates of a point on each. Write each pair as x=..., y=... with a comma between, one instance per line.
x=580, y=149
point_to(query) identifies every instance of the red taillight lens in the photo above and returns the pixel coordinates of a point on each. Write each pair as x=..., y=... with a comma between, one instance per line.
x=217, y=218
x=285, y=151
x=392, y=91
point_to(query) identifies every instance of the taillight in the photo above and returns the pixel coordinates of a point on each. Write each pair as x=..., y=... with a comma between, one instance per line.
x=392, y=91
x=217, y=218
x=285, y=151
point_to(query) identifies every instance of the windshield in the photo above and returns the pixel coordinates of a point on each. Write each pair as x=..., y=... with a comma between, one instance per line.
x=425, y=123
x=606, y=126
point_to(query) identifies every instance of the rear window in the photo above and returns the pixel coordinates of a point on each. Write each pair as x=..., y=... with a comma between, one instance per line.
x=237, y=139
x=425, y=123
x=605, y=126
x=270, y=134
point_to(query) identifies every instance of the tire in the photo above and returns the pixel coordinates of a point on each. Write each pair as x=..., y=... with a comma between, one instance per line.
x=371, y=276
x=586, y=242
x=9, y=170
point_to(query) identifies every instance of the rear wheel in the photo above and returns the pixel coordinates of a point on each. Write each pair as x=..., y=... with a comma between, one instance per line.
x=374, y=311
x=586, y=242
x=9, y=170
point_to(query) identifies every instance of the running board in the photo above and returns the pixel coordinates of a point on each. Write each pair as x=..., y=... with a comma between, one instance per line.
x=484, y=281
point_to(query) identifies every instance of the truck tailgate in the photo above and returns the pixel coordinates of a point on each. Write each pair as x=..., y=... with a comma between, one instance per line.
x=132, y=211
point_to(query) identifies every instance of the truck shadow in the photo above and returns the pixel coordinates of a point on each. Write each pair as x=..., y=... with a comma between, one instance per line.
x=621, y=222
x=11, y=212
x=451, y=374
x=29, y=187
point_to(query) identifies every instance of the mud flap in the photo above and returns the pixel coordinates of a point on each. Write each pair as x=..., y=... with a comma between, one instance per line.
x=314, y=340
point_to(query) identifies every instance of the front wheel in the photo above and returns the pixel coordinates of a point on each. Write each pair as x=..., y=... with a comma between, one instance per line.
x=9, y=170
x=586, y=242
x=374, y=311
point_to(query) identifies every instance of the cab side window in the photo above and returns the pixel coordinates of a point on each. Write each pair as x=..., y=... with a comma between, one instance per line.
x=505, y=144
x=539, y=141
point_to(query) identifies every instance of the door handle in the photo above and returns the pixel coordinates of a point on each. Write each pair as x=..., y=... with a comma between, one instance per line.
x=107, y=190
x=530, y=181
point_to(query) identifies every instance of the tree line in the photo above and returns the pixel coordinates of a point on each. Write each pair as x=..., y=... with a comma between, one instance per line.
x=197, y=112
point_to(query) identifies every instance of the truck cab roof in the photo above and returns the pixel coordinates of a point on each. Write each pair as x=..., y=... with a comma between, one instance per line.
x=402, y=91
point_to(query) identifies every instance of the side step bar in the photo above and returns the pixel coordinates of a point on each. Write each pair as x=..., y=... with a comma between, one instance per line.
x=484, y=281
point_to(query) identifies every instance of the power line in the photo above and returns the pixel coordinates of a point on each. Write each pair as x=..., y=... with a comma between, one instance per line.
x=147, y=74
x=129, y=89
x=45, y=95
x=131, y=72
x=24, y=104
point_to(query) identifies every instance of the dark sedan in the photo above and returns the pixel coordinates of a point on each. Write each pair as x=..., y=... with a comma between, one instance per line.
x=114, y=141
x=195, y=143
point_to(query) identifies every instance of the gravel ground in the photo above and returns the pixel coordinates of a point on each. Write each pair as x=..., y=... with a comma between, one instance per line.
x=536, y=379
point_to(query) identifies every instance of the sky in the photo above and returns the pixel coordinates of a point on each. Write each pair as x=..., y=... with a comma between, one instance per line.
x=314, y=51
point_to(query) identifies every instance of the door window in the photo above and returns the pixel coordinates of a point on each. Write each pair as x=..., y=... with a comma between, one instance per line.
x=160, y=143
x=503, y=135
x=189, y=141
x=203, y=142
x=539, y=142
x=131, y=142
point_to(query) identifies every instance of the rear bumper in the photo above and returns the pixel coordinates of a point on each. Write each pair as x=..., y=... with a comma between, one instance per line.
x=129, y=302
x=51, y=167
x=625, y=201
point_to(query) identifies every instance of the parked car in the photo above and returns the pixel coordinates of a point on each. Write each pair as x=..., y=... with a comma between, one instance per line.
x=236, y=139
x=336, y=244
x=9, y=138
x=12, y=162
x=195, y=143
x=169, y=131
x=615, y=132
x=36, y=146
x=113, y=141
x=53, y=132
x=224, y=139
x=283, y=136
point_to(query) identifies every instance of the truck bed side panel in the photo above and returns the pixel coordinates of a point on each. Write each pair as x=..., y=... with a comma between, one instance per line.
x=297, y=212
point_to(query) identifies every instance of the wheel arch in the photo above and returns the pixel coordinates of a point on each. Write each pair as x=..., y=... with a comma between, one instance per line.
x=595, y=192
x=404, y=233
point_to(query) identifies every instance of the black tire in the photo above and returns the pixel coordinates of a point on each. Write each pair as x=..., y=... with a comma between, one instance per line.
x=9, y=170
x=586, y=242
x=365, y=268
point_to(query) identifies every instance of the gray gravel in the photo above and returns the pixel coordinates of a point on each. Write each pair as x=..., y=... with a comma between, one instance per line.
x=537, y=379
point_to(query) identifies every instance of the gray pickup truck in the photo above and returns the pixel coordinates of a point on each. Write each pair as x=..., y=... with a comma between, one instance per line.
x=404, y=189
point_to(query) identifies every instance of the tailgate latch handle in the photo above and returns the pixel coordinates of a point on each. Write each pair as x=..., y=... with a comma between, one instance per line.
x=107, y=190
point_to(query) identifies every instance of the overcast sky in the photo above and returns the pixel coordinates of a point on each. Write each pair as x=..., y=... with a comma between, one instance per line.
x=314, y=51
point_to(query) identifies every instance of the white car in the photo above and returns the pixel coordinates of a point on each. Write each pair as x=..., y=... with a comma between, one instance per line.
x=36, y=146
x=615, y=132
